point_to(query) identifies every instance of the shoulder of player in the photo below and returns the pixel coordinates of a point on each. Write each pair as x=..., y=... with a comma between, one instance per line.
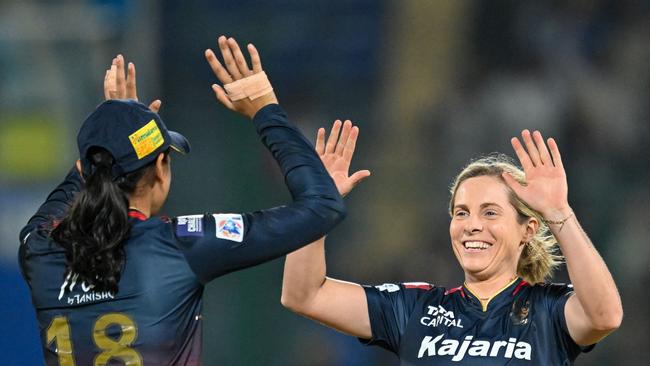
x=550, y=289
x=547, y=294
x=37, y=241
x=417, y=288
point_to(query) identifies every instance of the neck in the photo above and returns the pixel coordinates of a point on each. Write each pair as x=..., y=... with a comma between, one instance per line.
x=486, y=288
x=140, y=204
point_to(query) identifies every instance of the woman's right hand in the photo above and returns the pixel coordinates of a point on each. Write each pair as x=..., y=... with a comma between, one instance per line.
x=118, y=85
x=236, y=69
x=337, y=154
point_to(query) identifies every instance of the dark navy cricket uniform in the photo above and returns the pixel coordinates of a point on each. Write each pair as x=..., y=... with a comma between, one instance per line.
x=155, y=318
x=427, y=325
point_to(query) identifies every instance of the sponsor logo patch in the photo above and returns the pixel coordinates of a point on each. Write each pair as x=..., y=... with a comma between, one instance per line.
x=438, y=316
x=190, y=225
x=457, y=350
x=147, y=139
x=230, y=227
x=87, y=294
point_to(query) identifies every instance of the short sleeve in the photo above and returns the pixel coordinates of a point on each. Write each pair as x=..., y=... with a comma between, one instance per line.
x=556, y=296
x=389, y=307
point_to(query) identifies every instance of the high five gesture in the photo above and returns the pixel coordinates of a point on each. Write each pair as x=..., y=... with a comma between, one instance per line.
x=596, y=309
x=236, y=69
x=546, y=184
x=337, y=154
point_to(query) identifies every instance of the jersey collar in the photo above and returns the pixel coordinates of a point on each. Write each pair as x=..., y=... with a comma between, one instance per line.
x=503, y=296
x=138, y=215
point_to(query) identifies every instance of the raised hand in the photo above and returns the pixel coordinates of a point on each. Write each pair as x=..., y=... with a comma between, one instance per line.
x=546, y=187
x=121, y=84
x=236, y=69
x=337, y=154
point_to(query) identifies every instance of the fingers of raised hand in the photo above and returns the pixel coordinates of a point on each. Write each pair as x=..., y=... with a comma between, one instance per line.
x=255, y=58
x=522, y=155
x=320, y=141
x=110, y=86
x=555, y=153
x=512, y=183
x=351, y=144
x=228, y=58
x=341, y=145
x=533, y=152
x=240, y=61
x=131, y=89
x=221, y=73
x=120, y=77
x=536, y=153
x=222, y=97
x=330, y=147
x=544, y=155
x=107, y=86
x=155, y=105
x=357, y=177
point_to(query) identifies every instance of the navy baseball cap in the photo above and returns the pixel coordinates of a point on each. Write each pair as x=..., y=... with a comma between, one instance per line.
x=131, y=132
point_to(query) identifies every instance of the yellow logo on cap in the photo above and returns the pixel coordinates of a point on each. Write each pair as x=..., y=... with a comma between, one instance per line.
x=147, y=139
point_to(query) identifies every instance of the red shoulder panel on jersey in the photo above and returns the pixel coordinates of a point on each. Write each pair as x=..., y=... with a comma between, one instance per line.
x=452, y=290
x=420, y=285
x=519, y=287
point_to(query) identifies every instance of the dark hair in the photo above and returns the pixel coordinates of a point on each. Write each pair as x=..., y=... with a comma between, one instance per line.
x=97, y=223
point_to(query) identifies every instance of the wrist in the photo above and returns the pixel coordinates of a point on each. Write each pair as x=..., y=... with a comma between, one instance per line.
x=557, y=214
x=262, y=102
x=556, y=219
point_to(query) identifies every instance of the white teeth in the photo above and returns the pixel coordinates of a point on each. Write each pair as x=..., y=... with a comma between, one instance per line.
x=475, y=245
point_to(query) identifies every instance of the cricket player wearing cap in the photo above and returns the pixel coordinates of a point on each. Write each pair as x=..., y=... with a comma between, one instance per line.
x=111, y=282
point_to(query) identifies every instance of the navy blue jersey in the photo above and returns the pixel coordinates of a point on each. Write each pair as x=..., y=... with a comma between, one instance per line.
x=427, y=325
x=155, y=317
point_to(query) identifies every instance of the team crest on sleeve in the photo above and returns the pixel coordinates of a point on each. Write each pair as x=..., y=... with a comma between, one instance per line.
x=230, y=227
x=388, y=287
x=190, y=225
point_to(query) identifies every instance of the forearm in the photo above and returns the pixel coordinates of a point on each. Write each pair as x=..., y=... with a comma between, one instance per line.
x=304, y=173
x=592, y=281
x=304, y=274
x=268, y=234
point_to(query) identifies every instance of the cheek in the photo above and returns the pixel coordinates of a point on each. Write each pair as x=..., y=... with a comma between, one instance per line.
x=455, y=230
x=507, y=234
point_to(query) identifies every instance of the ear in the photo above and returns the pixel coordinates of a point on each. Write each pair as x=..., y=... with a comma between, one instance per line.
x=532, y=225
x=161, y=167
x=77, y=164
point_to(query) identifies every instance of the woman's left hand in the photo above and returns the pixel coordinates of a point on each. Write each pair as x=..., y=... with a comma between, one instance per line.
x=120, y=83
x=546, y=189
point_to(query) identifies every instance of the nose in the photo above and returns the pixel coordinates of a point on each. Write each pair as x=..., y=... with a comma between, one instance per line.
x=473, y=225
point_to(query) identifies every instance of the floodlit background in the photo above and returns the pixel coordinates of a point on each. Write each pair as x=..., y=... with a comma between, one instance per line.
x=431, y=84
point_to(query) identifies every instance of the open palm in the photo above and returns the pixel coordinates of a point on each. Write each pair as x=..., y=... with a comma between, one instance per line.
x=546, y=187
x=337, y=155
x=118, y=85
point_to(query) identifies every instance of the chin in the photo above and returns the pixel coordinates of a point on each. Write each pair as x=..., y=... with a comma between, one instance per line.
x=477, y=267
x=475, y=270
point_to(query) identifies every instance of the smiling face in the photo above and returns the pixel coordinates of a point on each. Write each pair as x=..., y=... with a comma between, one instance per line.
x=486, y=234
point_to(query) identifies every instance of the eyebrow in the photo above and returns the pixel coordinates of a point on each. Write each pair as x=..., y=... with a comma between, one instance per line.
x=483, y=205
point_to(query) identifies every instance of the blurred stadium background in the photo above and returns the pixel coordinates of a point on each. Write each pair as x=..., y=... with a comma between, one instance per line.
x=432, y=84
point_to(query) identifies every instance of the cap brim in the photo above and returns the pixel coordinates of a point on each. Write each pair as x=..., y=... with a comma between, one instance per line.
x=179, y=142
